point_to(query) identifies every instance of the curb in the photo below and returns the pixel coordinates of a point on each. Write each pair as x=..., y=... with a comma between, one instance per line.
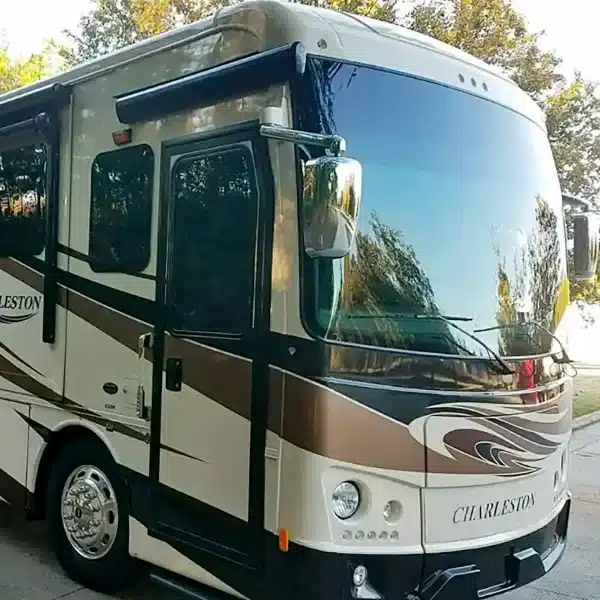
x=586, y=420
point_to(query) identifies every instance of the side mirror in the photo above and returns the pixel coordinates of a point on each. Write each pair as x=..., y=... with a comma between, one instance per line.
x=586, y=238
x=331, y=196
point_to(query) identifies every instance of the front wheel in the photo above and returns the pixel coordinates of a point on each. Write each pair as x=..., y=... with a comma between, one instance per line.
x=88, y=517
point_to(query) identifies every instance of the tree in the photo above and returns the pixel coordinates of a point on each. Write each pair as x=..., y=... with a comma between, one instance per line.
x=157, y=16
x=108, y=26
x=16, y=73
x=573, y=119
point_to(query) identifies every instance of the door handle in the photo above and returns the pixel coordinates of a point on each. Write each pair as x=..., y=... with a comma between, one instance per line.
x=145, y=340
x=174, y=374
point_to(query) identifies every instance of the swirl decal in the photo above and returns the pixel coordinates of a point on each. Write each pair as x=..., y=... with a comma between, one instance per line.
x=508, y=445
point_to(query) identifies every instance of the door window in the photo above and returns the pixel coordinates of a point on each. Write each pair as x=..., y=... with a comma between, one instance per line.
x=211, y=271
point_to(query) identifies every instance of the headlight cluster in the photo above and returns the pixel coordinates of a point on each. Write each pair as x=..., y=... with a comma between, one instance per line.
x=345, y=500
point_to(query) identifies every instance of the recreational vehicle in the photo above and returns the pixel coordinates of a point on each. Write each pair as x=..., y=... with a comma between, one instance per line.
x=281, y=296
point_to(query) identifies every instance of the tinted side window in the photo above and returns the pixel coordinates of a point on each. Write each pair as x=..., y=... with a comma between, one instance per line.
x=121, y=210
x=213, y=238
x=23, y=198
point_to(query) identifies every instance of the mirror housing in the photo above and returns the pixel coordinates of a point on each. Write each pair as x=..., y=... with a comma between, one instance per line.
x=331, y=195
x=586, y=239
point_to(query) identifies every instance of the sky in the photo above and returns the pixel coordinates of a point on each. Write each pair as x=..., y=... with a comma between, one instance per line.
x=573, y=32
x=26, y=23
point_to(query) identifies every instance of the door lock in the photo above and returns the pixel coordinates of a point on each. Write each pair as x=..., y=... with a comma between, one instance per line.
x=140, y=403
x=174, y=375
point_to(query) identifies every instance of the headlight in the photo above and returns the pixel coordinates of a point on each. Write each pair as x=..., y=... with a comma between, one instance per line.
x=345, y=499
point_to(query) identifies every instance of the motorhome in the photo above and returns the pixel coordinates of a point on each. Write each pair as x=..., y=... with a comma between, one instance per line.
x=281, y=295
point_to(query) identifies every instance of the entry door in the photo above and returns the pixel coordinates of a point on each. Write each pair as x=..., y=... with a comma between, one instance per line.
x=210, y=371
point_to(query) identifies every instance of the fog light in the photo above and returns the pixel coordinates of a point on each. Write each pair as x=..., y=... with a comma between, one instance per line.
x=392, y=511
x=359, y=576
x=387, y=511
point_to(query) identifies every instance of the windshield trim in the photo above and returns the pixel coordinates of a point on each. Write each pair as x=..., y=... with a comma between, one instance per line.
x=462, y=357
x=540, y=124
x=545, y=387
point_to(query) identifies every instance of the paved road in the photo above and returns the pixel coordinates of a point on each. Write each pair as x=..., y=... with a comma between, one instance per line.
x=28, y=571
x=577, y=577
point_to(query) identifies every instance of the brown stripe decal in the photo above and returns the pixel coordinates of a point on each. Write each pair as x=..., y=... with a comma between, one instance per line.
x=21, y=272
x=19, y=358
x=118, y=326
x=312, y=416
x=326, y=423
x=323, y=422
x=12, y=373
x=224, y=378
x=175, y=451
x=11, y=490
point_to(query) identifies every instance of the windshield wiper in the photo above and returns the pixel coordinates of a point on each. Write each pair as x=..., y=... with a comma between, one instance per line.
x=505, y=368
x=392, y=315
x=563, y=360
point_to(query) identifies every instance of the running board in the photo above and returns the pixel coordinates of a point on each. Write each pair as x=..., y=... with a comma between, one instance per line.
x=185, y=588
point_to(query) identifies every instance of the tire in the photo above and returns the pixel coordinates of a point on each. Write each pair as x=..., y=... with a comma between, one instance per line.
x=99, y=561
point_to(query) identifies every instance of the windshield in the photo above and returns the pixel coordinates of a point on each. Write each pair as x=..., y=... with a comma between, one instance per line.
x=461, y=217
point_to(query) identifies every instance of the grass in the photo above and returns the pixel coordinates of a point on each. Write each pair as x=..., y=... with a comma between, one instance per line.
x=587, y=395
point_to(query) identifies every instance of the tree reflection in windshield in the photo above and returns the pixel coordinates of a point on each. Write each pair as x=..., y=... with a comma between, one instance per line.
x=528, y=291
x=378, y=292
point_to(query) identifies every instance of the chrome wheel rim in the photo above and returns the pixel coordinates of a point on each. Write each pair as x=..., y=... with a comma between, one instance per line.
x=89, y=511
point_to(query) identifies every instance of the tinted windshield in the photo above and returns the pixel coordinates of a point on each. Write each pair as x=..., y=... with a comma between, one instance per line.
x=461, y=216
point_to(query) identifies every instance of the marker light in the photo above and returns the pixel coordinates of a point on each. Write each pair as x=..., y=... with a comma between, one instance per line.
x=120, y=138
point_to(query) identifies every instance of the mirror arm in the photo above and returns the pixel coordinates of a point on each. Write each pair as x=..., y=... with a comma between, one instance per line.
x=575, y=201
x=334, y=144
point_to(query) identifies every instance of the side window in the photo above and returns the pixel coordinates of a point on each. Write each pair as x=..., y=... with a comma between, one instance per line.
x=23, y=192
x=121, y=210
x=212, y=243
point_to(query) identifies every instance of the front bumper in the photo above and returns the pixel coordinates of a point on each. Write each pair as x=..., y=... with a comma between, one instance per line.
x=486, y=572
x=466, y=575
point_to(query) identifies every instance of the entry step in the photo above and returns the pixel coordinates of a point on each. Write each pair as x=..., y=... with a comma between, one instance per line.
x=185, y=588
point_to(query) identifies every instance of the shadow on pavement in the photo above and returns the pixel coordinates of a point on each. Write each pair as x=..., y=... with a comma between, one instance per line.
x=28, y=570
